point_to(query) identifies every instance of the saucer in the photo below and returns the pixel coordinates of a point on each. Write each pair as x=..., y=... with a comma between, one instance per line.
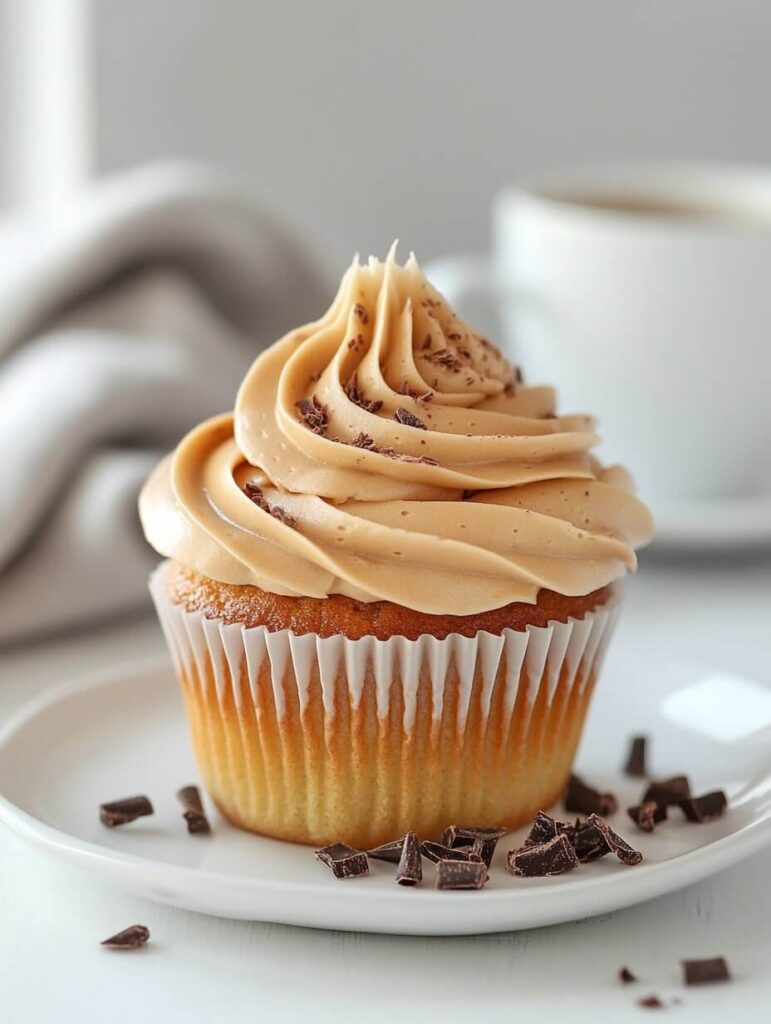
x=124, y=732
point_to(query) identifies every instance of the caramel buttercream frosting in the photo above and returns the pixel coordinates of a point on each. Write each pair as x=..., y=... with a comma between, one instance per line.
x=389, y=452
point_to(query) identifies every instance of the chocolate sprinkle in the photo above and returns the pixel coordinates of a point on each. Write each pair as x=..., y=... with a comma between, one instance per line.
x=193, y=812
x=355, y=396
x=647, y=815
x=343, y=861
x=626, y=977
x=410, y=870
x=709, y=807
x=459, y=874
x=254, y=494
x=121, y=812
x=313, y=414
x=438, y=851
x=554, y=857
x=390, y=852
x=650, y=1003
x=668, y=791
x=130, y=938
x=625, y=853
x=704, y=972
x=408, y=419
x=636, y=760
x=583, y=799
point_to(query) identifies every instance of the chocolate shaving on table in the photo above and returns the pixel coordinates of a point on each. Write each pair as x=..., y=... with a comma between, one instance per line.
x=543, y=829
x=554, y=857
x=626, y=977
x=625, y=853
x=668, y=791
x=708, y=807
x=193, y=812
x=647, y=815
x=650, y=1003
x=121, y=812
x=637, y=758
x=313, y=414
x=130, y=938
x=704, y=972
x=583, y=799
x=410, y=870
x=408, y=419
x=254, y=493
x=355, y=396
x=437, y=851
x=343, y=861
x=461, y=874
x=390, y=852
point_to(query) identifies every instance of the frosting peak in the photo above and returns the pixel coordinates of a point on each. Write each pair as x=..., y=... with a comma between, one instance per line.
x=388, y=452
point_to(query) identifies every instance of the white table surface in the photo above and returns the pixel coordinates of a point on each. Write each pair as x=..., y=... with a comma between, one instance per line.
x=206, y=969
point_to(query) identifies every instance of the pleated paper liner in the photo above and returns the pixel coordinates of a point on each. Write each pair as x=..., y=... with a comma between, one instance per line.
x=317, y=739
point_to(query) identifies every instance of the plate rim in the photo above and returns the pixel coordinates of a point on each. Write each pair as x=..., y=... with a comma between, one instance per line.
x=621, y=889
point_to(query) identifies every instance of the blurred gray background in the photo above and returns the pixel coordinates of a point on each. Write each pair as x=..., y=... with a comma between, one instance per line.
x=363, y=121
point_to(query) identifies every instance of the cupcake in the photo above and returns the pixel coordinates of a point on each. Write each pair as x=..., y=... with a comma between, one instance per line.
x=391, y=576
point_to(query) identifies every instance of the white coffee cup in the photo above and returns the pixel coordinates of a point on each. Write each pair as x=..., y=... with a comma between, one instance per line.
x=644, y=294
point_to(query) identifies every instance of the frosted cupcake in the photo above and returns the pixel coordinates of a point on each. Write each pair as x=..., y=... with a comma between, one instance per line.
x=393, y=573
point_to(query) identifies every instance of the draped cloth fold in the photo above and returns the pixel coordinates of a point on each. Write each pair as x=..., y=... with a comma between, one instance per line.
x=128, y=314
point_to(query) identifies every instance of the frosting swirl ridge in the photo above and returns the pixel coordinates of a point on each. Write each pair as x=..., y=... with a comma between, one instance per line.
x=388, y=452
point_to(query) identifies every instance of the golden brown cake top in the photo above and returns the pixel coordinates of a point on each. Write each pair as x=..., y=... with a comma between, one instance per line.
x=388, y=452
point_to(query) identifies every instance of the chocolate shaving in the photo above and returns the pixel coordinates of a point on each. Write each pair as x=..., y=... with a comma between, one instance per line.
x=390, y=852
x=647, y=815
x=636, y=760
x=450, y=359
x=704, y=972
x=518, y=375
x=343, y=861
x=313, y=414
x=408, y=419
x=587, y=841
x=583, y=799
x=458, y=874
x=410, y=870
x=254, y=493
x=361, y=312
x=543, y=829
x=121, y=812
x=701, y=809
x=650, y=1003
x=482, y=841
x=668, y=791
x=366, y=442
x=626, y=977
x=625, y=853
x=355, y=396
x=130, y=938
x=193, y=812
x=438, y=851
x=554, y=857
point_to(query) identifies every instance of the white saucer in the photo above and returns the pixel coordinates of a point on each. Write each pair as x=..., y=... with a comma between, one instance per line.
x=728, y=524
x=124, y=733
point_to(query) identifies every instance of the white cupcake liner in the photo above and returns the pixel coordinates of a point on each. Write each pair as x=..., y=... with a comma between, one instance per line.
x=535, y=658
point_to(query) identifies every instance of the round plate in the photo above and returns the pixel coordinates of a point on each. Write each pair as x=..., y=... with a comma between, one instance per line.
x=124, y=733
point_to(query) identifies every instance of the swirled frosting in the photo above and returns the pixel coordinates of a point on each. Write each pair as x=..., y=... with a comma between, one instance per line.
x=388, y=452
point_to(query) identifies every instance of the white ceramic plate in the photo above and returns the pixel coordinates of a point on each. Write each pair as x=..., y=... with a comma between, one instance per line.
x=124, y=733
